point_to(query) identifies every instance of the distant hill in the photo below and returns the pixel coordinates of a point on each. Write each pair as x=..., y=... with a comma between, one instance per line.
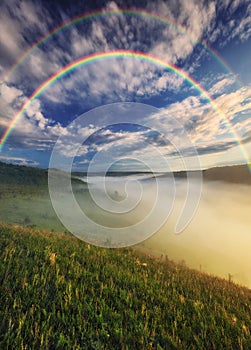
x=12, y=174
x=26, y=175
x=22, y=175
x=239, y=174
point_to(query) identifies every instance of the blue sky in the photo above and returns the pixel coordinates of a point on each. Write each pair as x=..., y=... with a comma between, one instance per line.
x=178, y=122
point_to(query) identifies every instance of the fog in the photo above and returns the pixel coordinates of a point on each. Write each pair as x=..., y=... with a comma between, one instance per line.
x=217, y=240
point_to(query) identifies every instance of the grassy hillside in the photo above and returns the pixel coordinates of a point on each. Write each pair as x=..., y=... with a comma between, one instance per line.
x=22, y=175
x=57, y=292
x=26, y=181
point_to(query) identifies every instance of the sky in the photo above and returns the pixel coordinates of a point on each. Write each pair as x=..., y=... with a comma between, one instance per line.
x=168, y=85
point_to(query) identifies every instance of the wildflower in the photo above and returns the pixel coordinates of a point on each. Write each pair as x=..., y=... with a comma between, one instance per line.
x=245, y=329
x=234, y=318
x=52, y=258
x=182, y=299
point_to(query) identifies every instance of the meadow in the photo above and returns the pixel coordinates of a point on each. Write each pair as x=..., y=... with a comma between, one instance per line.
x=24, y=198
x=57, y=292
x=28, y=205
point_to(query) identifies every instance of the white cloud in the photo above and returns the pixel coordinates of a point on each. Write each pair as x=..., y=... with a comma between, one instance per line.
x=199, y=20
x=243, y=28
x=11, y=99
x=33, y=127
x=112, y=6
x=235, y=27
x=196, y=18
x=11, y=38
x=203, y=125
x=69, y=148
x=220, y=86
x=35, y=115
x=113, y=80
x=235, y=102
x=10, y=93
x=30, y=14
x=17, y=20
x=188, y=122
x=80, y=44
x=19, y=161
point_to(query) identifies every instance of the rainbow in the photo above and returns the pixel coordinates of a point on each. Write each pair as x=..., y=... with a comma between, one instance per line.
x=124, y=11
x=117, y=54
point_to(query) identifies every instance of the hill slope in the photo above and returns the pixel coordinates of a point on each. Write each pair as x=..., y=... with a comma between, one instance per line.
x=57, y=292
x=22, y=175
x=11, y=174
x=239, y=174
x=25, y=175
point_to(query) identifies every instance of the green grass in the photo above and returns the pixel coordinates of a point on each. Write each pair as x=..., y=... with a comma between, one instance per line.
x=11, y=174
x=22, y=175
x=25, y=199
x=56, y=292
x=28, y=206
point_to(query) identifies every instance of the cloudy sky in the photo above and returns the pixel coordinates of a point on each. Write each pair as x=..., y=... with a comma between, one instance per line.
x=184, y=101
